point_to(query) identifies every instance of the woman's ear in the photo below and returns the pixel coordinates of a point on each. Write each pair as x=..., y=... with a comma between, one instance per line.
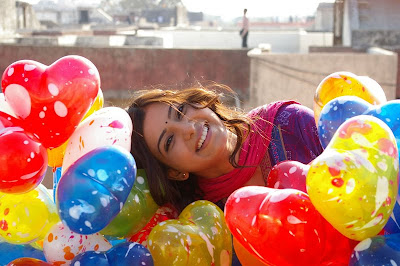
x=177, y=175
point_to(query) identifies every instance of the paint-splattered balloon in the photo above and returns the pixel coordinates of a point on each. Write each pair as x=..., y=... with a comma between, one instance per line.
x=51, y=100
x=198, y=237
x=61, y=245
x=356, y=177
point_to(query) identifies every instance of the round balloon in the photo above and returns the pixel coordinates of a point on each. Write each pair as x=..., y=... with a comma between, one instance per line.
x=24, y=161
x=25, y=218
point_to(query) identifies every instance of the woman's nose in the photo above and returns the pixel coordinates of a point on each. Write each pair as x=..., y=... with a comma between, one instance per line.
x=188, y=129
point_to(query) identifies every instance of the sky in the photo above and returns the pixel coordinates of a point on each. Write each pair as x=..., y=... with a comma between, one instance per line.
x=229, y=9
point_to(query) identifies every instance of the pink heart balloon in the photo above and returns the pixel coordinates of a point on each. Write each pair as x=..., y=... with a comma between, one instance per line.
x=51, y=100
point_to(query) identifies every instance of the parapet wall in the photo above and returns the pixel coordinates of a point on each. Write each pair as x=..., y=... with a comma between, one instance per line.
x=124, y=69
x=296, y=76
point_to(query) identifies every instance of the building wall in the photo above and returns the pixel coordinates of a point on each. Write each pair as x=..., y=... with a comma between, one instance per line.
x=8, y=20
x=379, y=15
x=296, y=77
x=291, y=41
x=125, y=69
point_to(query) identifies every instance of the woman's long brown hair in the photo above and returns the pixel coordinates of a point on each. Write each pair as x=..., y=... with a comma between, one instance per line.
x=162, y=189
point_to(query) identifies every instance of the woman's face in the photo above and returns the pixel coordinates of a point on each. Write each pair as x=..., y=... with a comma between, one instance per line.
x=188, y=139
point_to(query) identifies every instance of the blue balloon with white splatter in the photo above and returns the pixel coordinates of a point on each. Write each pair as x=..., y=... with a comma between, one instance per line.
x=378, y=250
x=124, y=254
x=94, y=188
x=337, y=111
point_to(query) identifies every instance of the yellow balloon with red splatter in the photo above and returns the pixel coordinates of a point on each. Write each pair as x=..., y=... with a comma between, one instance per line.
x=198, y=237
x=346, y=83
x=353, y=183
x=27, y=217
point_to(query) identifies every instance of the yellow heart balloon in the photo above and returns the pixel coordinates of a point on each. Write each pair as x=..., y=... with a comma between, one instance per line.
x=346, y=83
x=198, y=237
x=353, y=183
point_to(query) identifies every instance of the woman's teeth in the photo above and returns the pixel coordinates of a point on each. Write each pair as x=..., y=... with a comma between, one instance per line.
x=203, y=137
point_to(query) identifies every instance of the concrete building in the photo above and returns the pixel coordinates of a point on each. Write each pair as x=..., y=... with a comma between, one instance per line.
x=366, y=23
x=324, y=17
x=16, y=16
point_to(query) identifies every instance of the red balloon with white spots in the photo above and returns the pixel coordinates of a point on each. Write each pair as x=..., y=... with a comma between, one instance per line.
x=282, y=227
x=51, y=100
x=288, y=174
x=23, y=161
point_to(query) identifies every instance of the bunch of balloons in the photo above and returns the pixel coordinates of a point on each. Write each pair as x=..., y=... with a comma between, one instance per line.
x=101, y=211
x=343, y=207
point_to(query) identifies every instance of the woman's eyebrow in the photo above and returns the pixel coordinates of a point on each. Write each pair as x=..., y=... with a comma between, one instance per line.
x=164, y=131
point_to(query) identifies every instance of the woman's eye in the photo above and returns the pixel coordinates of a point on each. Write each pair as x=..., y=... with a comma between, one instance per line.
x=168, y=143
x=179, y=112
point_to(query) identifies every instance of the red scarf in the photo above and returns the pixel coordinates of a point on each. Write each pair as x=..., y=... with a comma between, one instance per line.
x=252, y=152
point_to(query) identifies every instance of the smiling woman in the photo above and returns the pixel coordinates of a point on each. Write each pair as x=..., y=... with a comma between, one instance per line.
x=195, y=147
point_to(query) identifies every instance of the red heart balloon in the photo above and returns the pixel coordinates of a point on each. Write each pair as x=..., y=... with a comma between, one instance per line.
x=23, y=161
x=282, y=227
x=288, y=174
x=51, y=100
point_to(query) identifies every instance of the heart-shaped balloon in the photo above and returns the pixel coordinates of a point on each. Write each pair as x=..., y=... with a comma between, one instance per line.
x=61, y=245
x=108, y=126
x=136, y=212
x=51, y=100
x=378, y=250
x=23, y=161
x=288, y=174
x=94, y=189
x=335, y=112
x=124, y=254
x=198, y=237
x=356, y=177
x=27, y=217
x=346, y=83
x=282, y=227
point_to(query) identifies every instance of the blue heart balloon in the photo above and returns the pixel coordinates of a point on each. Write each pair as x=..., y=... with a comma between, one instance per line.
x=124, y=254
x=337, y=111
x=378, y=250
x=93, y=189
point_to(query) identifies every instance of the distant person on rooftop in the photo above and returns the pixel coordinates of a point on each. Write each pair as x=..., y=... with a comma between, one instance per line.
x=244, y=32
